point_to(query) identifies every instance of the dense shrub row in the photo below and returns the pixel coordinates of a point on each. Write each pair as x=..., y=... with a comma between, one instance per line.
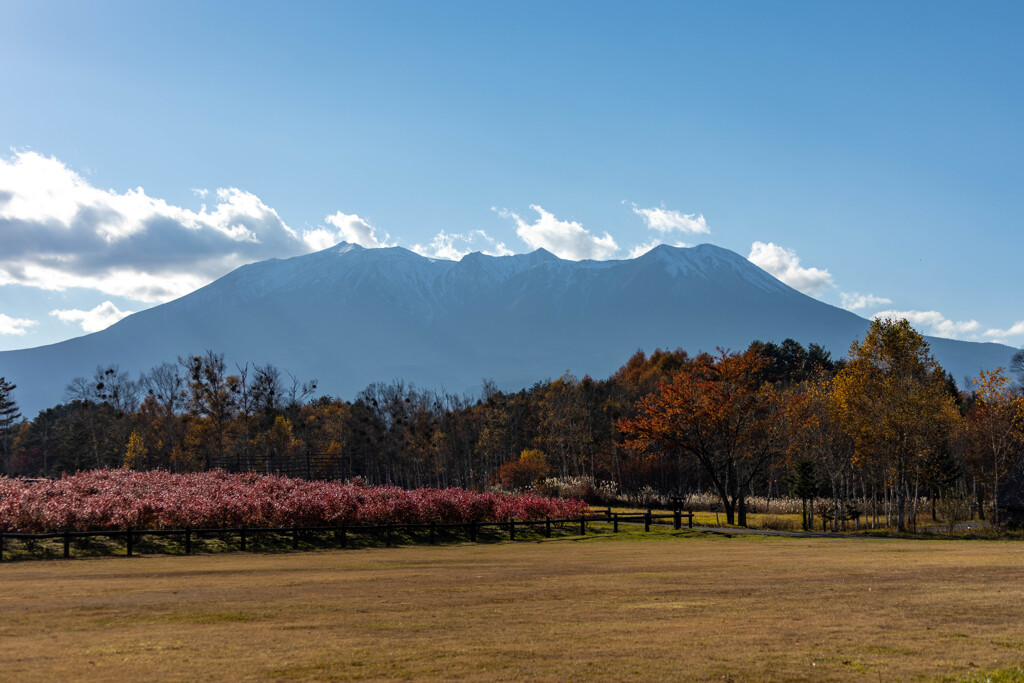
x=116, y=499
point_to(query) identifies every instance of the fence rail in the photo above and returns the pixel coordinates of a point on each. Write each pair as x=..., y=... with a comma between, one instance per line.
x=341, y=532
x=646, y=518
x=132, y=536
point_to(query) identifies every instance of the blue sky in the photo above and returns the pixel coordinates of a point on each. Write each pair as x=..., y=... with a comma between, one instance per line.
x=870, y=154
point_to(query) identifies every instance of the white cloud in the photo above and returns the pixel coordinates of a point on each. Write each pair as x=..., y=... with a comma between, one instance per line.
x=853, y=301
x=565, y=239
x=15, y=326
x=937, y=324
x=640, y=249
x=443, y=245
x=665, y=220
x=320, y=238
x=99, y=318
x=350, y=228
x=59, y=232
x=997, y=335
x=784, y=264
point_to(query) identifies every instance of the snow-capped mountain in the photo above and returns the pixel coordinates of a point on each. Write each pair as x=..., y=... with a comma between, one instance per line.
x=349, y=316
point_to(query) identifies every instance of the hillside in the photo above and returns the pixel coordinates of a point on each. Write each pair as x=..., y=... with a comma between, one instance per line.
x=350, y=316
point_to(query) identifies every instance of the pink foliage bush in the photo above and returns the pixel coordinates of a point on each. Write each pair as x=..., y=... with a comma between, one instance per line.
x=116, y=499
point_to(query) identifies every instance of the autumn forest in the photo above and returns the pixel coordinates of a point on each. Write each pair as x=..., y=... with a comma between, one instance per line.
x=884, y=429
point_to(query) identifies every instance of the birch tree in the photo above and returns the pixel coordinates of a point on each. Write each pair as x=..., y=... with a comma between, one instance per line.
x=892, y=400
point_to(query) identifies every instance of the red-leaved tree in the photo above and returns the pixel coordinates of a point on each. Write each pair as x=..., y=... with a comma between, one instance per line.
x=716, y=410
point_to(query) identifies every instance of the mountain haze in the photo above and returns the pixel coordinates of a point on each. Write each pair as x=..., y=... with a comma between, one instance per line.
x=349, y=316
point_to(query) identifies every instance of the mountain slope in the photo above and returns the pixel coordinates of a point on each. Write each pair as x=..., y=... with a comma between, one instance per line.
x=351, y=316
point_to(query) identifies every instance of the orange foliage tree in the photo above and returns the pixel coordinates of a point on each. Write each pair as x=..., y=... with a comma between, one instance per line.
x=522, y=472
x=717, y=411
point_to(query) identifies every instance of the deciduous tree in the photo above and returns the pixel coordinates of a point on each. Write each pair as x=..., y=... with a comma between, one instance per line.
x=893, y=402
x=995, y=428
x=716, y=411
x=521, y=472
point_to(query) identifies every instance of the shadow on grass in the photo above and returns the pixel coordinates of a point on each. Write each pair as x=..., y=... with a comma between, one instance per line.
x=212, y=542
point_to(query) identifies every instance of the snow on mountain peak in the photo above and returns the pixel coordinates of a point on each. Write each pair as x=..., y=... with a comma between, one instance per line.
x=351, y=316
x=711, y=262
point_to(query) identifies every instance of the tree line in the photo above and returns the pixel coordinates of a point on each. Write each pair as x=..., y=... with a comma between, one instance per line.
x=874, y=434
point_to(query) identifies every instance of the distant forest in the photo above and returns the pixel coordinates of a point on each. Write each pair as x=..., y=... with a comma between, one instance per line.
x=887, y=425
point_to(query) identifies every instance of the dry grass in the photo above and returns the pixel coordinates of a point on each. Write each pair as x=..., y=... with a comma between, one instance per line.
x=665, y=606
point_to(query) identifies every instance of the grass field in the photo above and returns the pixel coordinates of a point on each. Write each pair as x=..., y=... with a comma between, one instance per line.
x=660, y=606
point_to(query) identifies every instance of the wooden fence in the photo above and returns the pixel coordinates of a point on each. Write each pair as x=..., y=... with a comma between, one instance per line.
x=340, y=533
x=646, y=518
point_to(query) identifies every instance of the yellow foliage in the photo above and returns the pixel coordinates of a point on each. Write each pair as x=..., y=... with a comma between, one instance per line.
x=531, y=465
x=135, y=452
x=325, y=427
x=892, y=400
x=533, y=458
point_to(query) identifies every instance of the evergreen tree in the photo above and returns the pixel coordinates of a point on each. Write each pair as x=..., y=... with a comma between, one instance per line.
x=9, y=415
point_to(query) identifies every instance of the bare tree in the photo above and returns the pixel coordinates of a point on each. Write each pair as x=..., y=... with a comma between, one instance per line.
x=108, y=385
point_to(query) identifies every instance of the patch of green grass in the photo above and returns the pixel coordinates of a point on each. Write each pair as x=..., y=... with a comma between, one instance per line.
x=1013, y=674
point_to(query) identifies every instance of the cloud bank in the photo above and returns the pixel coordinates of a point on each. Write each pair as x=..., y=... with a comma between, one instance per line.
x=784, y=264
x=1015, y=330
x=60, y=232
x=446, y=245
x=99, y=318
x=934, y=322
x=15, y=326
x=638, y=250
x=349, y=228
x=665, y=220
x=853, y=301
x=565, y=239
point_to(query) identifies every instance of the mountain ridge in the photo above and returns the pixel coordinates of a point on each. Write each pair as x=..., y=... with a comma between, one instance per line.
x=350, y=316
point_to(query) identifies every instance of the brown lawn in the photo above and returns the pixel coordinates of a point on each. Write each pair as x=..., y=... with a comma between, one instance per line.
x=661, y=607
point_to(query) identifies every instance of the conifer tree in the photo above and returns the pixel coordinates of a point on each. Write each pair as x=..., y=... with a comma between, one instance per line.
x=9, y=415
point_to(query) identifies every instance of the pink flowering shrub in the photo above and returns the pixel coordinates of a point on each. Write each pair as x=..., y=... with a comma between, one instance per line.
x=116, y=499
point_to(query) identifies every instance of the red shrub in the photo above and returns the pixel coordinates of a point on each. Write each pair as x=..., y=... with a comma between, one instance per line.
x=116, y=499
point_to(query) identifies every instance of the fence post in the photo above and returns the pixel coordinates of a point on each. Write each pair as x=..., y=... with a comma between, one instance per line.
x=690, y=523
x=583, y=525
x=67, y=544
x=511, y=529
x=615, y=523
x=242, y=539
x=344, y=539
x=547, y=527
x=295, y=538
x=472, y=532
x=128, y=538
x=432, y=525
x=188, y=540
x=387, y=535
x=677, y=517
x=608, y=513
x=647, y=520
